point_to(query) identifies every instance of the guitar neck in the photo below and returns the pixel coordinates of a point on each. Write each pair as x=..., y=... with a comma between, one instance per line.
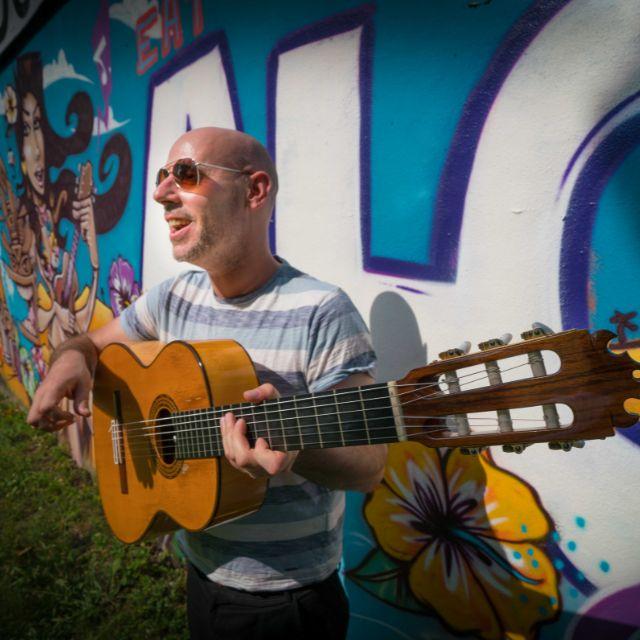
x=329, y=419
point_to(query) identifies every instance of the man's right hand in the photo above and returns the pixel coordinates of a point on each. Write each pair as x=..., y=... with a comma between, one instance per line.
x=68, y=377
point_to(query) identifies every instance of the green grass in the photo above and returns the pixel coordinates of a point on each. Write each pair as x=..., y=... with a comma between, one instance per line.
x=62, y=573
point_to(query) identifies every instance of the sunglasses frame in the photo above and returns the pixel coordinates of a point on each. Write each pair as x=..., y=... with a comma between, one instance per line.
x=169, y=170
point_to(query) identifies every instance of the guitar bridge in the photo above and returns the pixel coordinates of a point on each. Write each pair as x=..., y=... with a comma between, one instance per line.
x=116, y=435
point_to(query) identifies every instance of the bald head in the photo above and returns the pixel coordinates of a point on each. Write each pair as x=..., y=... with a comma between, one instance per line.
x=231, y=148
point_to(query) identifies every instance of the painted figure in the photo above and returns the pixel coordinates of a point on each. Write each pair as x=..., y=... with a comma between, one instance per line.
x=43, y=260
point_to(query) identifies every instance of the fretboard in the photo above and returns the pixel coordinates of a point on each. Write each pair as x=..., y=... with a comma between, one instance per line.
x=339, y=418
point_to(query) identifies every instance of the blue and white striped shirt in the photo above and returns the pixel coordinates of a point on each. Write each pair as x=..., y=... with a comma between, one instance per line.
x=302, y=335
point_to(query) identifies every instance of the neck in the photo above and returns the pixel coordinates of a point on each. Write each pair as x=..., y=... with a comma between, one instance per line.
x=327, y=419
x=251, y=273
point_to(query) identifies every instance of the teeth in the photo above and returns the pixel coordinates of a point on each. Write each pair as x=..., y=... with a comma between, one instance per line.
x=178, y=224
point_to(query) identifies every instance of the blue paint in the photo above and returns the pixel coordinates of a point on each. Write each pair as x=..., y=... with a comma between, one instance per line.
x=553, y=601
x=581, y=522
x=479, y=543
x=517, y=555
x=535, y=564
x=558, y=564
x=605, y=566
x=580, y=576
x=523, y=528
x=555, y=536
x=530, y=552
x=573, y=592
x=571, y=545
x=524, y=598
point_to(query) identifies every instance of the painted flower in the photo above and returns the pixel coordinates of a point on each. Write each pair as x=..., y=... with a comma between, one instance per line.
x=123, y=289
x=460, y=539
x=38, y=360
x=27, y=373
x=10, y=105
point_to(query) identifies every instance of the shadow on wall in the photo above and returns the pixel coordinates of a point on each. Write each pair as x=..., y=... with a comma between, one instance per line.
x=396, y=337
x=458, y=539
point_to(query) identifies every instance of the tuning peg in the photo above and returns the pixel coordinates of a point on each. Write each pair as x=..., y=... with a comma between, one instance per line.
x=566, y=445
x=538, y=329
x=495, y=342
x=518, y=447
x=542, y=327
x=471, y=451
x=456, y=351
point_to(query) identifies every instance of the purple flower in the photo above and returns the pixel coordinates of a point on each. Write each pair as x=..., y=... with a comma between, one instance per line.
x=123, y=289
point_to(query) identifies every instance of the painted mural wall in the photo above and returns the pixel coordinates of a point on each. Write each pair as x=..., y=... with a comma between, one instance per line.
x=461, y=168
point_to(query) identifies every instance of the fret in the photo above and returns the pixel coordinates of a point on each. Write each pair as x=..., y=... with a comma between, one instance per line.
x=279, y=439
x=340, y=424
x=256, y=420
x=380, y=416
x=329, y=423
x=288, y=438
x=364, y=415
x=352, y=418
x=307, y=418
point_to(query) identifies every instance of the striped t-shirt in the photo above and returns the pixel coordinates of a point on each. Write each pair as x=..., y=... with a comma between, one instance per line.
x=302, y=335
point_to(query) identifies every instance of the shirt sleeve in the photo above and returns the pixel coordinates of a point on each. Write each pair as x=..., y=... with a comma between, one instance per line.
x=339, y=343
x=141, y=319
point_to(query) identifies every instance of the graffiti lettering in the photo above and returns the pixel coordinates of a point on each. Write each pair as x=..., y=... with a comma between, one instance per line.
x=147, y=54
x=171, y=27
x=206, y=68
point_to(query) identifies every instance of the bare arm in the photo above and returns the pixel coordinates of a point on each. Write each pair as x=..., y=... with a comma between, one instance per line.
x=70, y=375
x=351, y=468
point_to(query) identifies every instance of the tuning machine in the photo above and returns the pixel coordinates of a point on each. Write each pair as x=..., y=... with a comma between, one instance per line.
x=518, y=447
x=471, y=451
x=566, y=445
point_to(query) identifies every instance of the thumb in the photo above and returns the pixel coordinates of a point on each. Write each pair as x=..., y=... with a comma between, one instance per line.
x=81, y=399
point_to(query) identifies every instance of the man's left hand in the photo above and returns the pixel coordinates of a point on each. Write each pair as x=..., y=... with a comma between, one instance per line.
x=258, y=461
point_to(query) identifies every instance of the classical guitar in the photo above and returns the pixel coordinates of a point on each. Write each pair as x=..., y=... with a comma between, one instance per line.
x=157, y=409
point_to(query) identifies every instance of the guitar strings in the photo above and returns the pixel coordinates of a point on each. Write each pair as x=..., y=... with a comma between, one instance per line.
x=193, y=434
x=213, y=412
x=182, y=419
x=254, y=409
x=143, y=450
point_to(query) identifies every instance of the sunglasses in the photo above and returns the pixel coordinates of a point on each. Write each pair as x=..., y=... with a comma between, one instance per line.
x=186, y=172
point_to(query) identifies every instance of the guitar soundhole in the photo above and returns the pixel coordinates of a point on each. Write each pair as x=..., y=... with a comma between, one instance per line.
x=164, y=437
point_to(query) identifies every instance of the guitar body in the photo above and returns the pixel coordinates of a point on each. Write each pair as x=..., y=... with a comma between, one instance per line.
x=145, y=490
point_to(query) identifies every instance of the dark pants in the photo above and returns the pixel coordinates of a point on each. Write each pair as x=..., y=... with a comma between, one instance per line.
x=319, y=611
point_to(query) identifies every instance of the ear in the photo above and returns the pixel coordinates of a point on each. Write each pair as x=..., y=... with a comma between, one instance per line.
x=259, y=189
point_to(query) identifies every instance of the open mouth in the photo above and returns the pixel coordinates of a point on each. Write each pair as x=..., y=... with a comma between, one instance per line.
x=177, y=226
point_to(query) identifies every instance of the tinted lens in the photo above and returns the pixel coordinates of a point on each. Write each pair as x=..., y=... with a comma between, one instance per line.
x=161, y=175
x=186, y=173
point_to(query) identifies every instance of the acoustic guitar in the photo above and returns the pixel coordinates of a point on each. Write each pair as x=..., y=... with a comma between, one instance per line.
x=157, y=409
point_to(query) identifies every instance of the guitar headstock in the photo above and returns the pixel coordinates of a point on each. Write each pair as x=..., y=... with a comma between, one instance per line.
x=560, y=388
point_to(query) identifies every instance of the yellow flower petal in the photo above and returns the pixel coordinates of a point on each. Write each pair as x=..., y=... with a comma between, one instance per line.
x=495, y=503
x=495, y=590
x=396, y=510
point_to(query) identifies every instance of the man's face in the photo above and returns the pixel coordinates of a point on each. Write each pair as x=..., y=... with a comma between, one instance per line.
x=205, y=221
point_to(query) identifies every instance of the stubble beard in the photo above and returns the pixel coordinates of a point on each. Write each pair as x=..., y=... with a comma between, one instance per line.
x=210, y=250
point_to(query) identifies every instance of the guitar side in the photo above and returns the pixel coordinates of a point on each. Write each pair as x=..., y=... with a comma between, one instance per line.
x=144, y=489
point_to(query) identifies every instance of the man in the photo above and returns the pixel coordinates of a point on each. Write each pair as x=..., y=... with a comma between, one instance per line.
x=271, y=574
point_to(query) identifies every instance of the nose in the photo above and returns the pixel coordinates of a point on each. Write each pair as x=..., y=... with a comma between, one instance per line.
x=166, y=191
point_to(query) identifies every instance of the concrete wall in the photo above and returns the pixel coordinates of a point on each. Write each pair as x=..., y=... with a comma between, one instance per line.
x=462, y=168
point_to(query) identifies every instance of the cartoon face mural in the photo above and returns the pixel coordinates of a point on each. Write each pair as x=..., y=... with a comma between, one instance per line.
x=466, y=169
x=42, y=261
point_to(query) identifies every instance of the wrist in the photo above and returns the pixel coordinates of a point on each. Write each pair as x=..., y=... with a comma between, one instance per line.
x=80, y=348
